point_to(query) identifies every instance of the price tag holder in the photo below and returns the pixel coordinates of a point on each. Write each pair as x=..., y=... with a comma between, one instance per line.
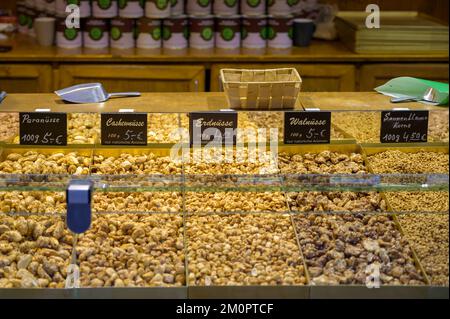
x=124, y=129
x=307, y=127
x=404, y=126
x=206, y=127
x=43, y=128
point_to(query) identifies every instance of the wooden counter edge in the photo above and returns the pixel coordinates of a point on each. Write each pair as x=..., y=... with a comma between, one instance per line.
x=187, y=102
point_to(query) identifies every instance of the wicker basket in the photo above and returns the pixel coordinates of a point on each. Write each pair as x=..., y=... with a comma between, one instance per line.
x=261, y=89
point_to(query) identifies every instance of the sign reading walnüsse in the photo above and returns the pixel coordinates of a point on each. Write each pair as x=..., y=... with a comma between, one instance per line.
x=219, y=127
x=307, y=127
x=124, y=128
x=43, y=128
x=404, y=127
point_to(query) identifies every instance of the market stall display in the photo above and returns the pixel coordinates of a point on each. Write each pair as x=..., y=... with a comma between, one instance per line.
x=302, y=217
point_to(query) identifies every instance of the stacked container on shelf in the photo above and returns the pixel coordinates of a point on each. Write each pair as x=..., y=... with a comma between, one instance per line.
x=150, y=24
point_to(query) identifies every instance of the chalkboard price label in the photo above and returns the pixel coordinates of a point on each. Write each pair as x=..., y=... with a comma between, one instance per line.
x=404, y=127
x=124, y=129
x=43, y=128
x=215, y=127
x=307, y=127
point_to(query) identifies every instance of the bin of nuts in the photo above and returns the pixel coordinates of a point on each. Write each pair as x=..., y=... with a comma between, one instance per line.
x=261, y=89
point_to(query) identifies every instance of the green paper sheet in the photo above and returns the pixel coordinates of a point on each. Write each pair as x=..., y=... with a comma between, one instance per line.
x=414, y=87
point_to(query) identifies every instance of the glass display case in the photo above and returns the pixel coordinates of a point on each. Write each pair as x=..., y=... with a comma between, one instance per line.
x=258, y=219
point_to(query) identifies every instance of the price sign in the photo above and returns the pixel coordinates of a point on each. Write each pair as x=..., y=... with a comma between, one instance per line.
x=43, y=128
x=206, y=127
x=404, y=127
x=124, y=129
x=307, y=127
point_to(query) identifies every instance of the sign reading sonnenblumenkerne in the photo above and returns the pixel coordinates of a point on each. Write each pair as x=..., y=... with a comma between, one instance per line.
x=404, y=127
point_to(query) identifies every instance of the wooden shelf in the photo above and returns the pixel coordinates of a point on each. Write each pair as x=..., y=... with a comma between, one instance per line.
x=26, y=50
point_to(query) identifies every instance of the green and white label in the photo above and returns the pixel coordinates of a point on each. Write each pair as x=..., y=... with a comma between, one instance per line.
x=207, y=33
x=70, y=34
x=96, y=33
x=227, y=34
x=156, y=33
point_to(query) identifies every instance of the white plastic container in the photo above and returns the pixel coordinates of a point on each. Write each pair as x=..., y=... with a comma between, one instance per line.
x=149, y=33
x=96, y=33
x=175, y=32
x=228, y=32
x=67, y=38
x=279, y=34
x=254, y=32
x=122, y=33
x=201, y=32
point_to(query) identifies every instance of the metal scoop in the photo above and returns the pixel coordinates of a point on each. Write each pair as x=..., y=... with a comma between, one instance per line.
x=90, y=93
x=430, y=95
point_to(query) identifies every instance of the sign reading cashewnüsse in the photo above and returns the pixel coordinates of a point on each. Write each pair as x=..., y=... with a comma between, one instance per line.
x=124, y=129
